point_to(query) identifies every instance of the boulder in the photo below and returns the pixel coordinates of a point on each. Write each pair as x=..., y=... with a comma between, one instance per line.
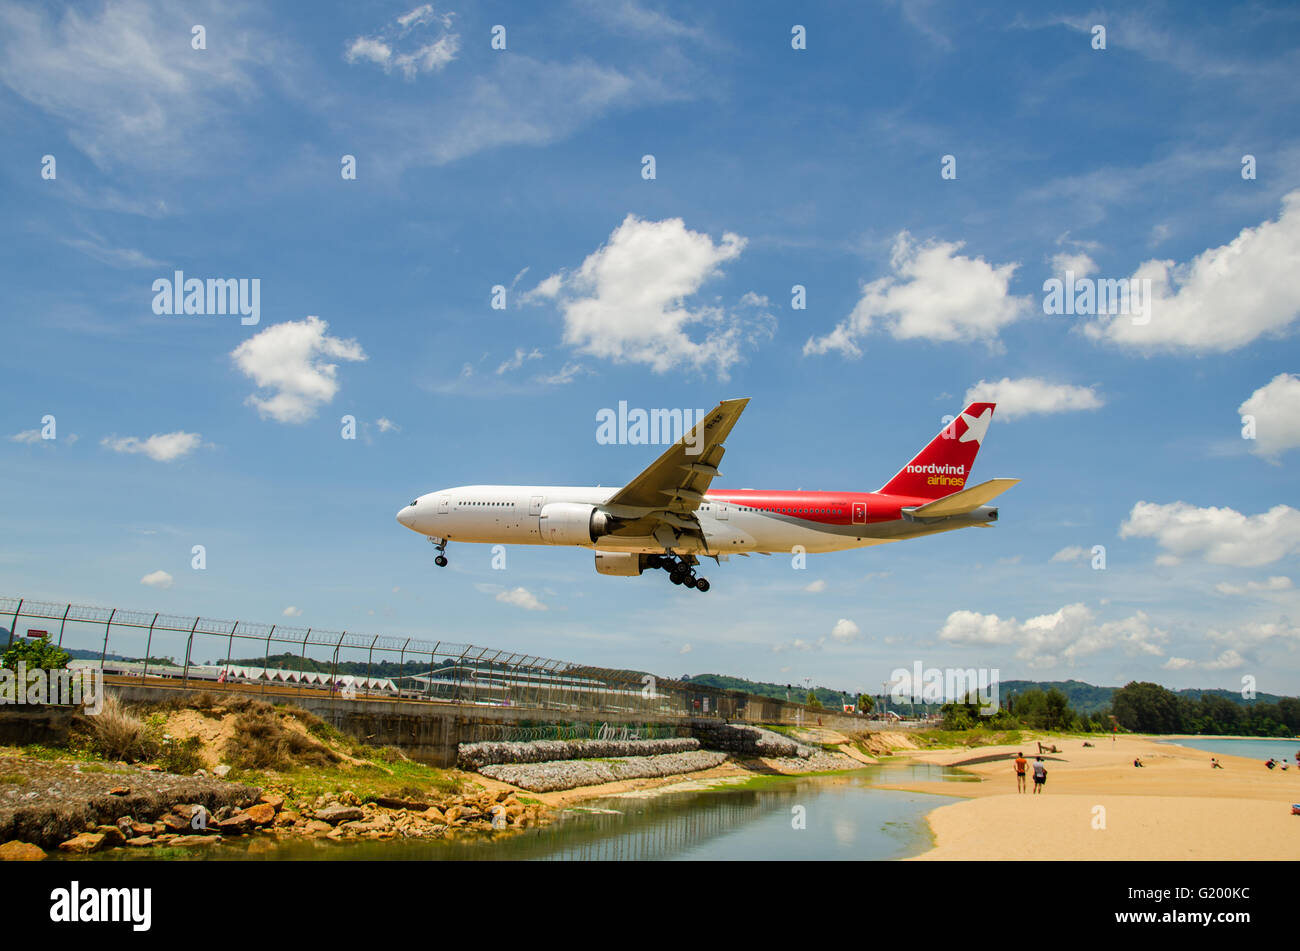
x=316, y=827
x=221, y=771
x=239, y=824
x=112, y=835
x=336, y=814
x=120, y=791
x=21, y=852
x=140, y=841
x=82, y=844
x=194, y=841
x=274, y=800
x=261, y=814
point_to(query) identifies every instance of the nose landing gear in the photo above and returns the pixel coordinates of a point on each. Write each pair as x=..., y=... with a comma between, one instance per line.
x=441, y=545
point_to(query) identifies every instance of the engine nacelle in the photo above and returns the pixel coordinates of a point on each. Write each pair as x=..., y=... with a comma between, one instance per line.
x=572, y=523
x=627, y=564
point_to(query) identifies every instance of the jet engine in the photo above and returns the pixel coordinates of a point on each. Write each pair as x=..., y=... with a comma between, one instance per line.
x=573, y=523
x=625, y=563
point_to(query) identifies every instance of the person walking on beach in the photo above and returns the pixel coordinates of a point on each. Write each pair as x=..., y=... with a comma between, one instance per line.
x=1040, y=775
x=1021, y=763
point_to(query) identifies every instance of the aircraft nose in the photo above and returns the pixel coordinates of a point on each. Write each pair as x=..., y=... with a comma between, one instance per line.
x=406, y=516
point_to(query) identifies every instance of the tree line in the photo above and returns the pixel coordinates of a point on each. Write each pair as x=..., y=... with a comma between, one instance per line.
x=1137, y=707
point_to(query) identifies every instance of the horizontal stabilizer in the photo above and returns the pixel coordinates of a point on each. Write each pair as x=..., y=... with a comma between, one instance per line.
x=967, y=500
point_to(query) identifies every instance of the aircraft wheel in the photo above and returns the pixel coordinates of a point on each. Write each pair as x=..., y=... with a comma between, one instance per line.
x=676, y=577
x=441, y=561
x=702, y=584
x=690, y=581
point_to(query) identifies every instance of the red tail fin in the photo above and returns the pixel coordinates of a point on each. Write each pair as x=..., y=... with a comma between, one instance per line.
x=943, y=467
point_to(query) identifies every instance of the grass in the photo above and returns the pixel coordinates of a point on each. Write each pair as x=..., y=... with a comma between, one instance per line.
x=261, y=741
x=12, y=779
x=402, y=780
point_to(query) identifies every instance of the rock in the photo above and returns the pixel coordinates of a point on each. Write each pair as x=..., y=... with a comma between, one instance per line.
x=273, y=800
x=176, y=823
x=21, y=852
x=316, y=827
x=200, y=772
x=434, y=814
x=120, y=791
x=140, y=841
x=221, y=771
x=126, y=825
x=112, y=835
x=225, y=812
x=286, y=818
x=350, y=798
x=82, y=844
x=337, y=814
x=151, y=768
x=194, y=841
x=261, y=814
x=239, y=824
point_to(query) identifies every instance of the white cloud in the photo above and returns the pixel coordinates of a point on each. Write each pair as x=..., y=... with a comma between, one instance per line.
x=515, y=362
x=1029, y=395
x=1070, y=553
x=29, y=436
x=1049, y=639
x=161, y=447
x=627, y=301
x=815, y=587
x=844, y=631
x=1272, y=585
x=1079, y=263
x=428, y=56
x=287, y=359
x=798, y=644
x=563, y=376
x=1255, y=633
x=158, y=579
x=387, y=425
x=1223, y=299
x=1222, y=536
x=1226, y=660
x=122, y=80
x=1276, y=408
x=522, y=598
x=933, y=294
x=292, y=611
x=686, y=649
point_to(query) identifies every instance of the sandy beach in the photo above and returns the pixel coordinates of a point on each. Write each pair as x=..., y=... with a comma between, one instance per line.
x=1097, y=805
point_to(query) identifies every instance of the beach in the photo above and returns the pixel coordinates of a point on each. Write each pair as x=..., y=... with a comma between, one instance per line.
x=1096, y=805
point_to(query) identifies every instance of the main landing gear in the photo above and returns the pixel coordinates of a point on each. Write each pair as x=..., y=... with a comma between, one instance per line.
x=679, y=571
x=441, y=545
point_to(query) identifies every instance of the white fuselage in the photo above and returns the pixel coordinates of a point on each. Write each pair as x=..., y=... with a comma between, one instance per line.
x=733, y=521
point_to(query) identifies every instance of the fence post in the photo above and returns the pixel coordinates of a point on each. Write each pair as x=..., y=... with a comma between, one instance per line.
x=266, y=661
x=401, y=665
x=107, y=625
x=13, y=626
x=230, y=644
x=63, y=622
x=334, y=668
x=189, y=644
x=369, y=658
x=302, y=662
x=148, y=646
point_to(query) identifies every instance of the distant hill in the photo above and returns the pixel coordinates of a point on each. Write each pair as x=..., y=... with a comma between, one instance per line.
x=1084, y=698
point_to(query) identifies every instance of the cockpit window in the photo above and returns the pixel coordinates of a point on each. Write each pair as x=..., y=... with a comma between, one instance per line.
x=413, y=502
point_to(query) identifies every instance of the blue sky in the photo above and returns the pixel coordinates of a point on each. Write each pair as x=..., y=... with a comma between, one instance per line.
x=773, y=167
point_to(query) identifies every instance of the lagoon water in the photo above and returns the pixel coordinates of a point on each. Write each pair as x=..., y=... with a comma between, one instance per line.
x=1253, y=748
x=843, y=817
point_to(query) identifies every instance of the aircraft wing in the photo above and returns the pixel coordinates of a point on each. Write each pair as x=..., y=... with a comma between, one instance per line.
x=967, y=500
x=674, y=484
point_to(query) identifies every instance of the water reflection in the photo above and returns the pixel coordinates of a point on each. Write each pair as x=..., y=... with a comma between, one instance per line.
x=826, y=817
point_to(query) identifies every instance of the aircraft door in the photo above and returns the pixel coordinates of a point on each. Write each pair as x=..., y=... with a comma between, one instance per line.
x=859, y=513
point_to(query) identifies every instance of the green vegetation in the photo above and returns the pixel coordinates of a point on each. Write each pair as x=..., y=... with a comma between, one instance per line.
x=38, y=653
x=1136, y=707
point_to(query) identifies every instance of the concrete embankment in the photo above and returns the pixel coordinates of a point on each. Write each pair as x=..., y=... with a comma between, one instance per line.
x=477, y=755
x=569, y=774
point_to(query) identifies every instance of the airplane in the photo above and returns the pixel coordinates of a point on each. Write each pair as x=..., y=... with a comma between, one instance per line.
x=668, y=517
